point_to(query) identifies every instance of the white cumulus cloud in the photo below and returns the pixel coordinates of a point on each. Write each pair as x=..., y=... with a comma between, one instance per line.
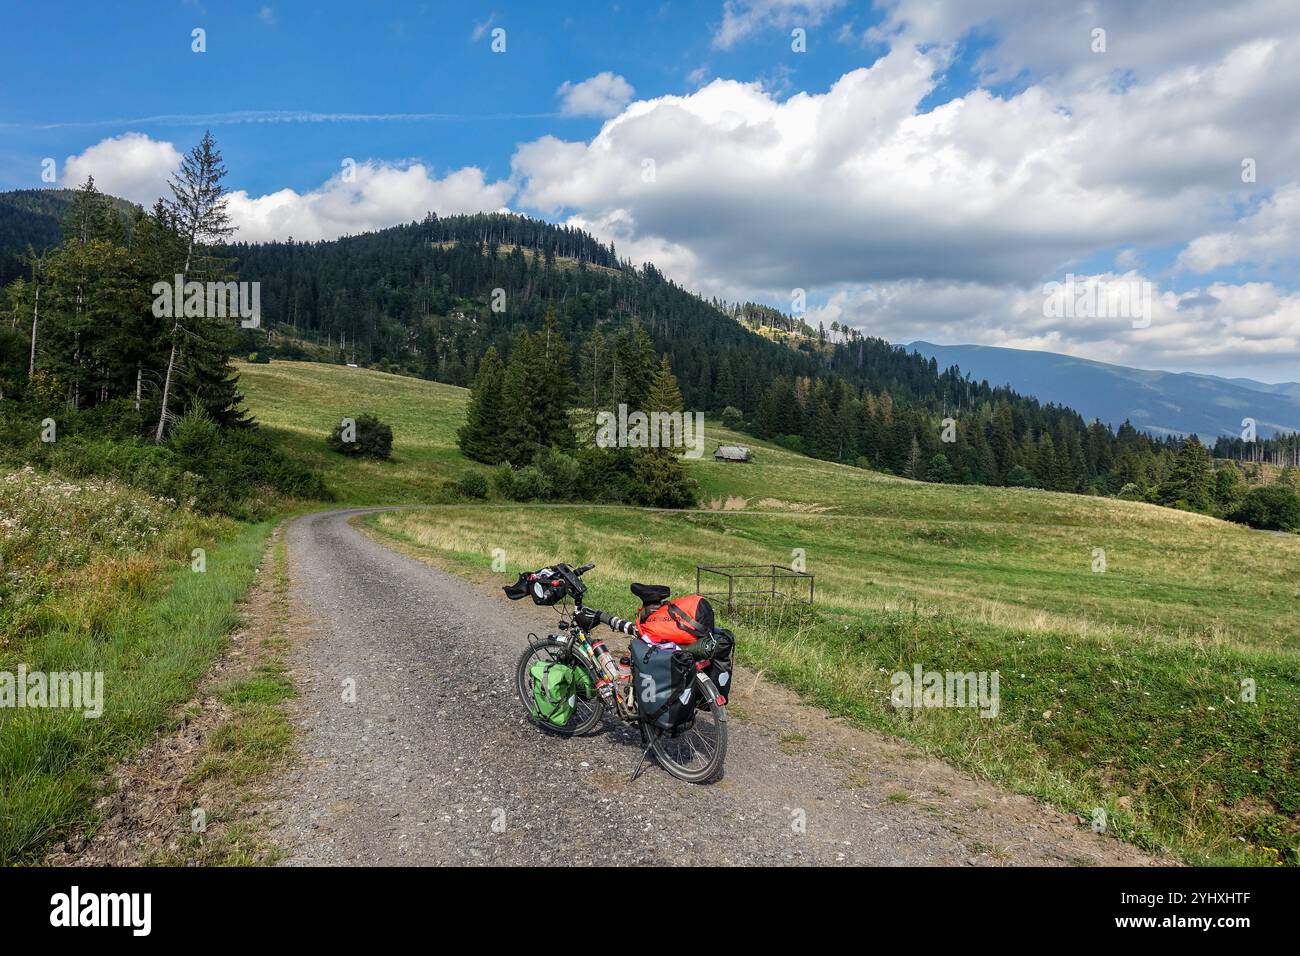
x=743, y=18
x=132, y=166
x=603, y=95
x=378, y=195
x=359, y=198
x=1269, y=234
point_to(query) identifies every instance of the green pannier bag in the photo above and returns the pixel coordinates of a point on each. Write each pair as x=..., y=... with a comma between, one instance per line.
x=554, y=691
x=584, y=683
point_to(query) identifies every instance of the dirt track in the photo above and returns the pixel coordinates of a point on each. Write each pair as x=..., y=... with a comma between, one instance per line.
x=435, y=763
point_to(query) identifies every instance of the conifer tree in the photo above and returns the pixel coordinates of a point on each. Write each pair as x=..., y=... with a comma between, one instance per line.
x=480, y=437
x=1190, y=481
x=659, y=476
x=197, y=211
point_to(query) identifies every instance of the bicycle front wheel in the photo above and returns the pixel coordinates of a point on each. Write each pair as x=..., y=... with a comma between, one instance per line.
x=586, y=713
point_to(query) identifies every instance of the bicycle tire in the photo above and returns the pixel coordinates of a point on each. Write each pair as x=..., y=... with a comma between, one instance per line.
x=577, y=725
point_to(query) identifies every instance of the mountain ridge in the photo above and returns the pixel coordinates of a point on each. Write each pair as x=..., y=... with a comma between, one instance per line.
x=1160, y=402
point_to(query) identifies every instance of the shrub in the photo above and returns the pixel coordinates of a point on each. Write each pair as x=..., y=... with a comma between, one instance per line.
x=605, y=475
x=940, y=470
x=561, y=471
x=1021, y=477
x=503, y=480
x=1271, y=507
x=371, y=438
x=661, y=481
x=472, y=484
x=530, y=484
x=732, y=417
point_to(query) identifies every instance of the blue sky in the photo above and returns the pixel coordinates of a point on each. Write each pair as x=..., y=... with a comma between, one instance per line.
x=921, y=169
x=359, y=58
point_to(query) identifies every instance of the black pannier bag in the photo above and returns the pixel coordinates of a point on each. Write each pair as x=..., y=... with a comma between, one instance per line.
x=544, y=585
x=664, y=683
x=720, y=665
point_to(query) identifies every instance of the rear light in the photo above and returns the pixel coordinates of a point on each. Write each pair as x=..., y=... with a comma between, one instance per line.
x=719, y=700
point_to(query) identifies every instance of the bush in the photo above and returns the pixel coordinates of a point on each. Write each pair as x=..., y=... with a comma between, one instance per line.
x=605, y=475
x=1270, y=507
x=1021, y=477
x=472, y=484
x=562, y=473
x=732, y=417
x=661, y=481
x=530, y=483
x=940, y=470
x=503, y=480
x=371, y=438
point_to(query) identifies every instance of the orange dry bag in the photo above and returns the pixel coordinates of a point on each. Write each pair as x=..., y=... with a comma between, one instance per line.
x=682, y=621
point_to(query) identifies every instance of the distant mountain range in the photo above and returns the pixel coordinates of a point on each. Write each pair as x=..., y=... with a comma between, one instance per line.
x=1163, y=403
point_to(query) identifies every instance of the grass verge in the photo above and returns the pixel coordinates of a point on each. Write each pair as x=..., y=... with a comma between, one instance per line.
x=254, y=738
x=153, y=636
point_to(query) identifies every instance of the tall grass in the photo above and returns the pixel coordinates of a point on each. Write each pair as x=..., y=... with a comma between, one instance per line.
x=102, y=581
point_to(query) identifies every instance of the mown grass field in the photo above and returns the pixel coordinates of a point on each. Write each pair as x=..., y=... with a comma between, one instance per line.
x=1125, y=689
x=300, y=402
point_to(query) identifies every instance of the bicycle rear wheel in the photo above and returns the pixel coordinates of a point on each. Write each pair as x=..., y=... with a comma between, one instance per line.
x=586, y=713
x=695, y=754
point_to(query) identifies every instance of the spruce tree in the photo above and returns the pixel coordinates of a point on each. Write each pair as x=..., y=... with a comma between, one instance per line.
x=520, y=429
x=553, y=387
x=1190, y=481
x=197, y=212
x=480, y=437
x=659, y=477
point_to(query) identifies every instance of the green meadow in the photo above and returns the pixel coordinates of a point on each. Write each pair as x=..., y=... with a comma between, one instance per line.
x=1147, y=657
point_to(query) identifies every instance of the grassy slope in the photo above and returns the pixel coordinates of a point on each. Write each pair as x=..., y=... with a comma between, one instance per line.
x=1119, y=689
x=301, y=401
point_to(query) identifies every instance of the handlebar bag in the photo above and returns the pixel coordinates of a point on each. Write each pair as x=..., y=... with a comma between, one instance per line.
x=544, y=586
x=554, y=691
x=664, y=682
x=683, y=620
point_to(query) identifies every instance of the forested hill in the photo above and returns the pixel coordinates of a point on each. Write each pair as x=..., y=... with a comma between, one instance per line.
x=418, y=298
x=431, y=297
x=34, y=217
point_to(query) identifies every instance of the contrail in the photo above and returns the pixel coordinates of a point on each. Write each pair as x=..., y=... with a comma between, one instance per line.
x=286, y=116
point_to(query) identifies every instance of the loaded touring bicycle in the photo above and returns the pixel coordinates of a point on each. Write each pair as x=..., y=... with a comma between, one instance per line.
x=672, y=684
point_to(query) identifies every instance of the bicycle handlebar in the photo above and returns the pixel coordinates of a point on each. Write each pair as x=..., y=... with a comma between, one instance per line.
x=617, y=624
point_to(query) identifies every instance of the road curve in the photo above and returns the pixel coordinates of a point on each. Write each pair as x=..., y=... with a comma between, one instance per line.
x=434, y=762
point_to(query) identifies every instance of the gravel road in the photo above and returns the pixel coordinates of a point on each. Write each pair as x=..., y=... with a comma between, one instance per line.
x=435, y=763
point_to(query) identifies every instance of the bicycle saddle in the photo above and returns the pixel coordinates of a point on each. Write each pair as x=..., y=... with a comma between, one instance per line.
x=651, y=593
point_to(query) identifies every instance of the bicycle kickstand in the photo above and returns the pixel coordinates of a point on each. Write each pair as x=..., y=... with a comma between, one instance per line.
x=640, y=763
